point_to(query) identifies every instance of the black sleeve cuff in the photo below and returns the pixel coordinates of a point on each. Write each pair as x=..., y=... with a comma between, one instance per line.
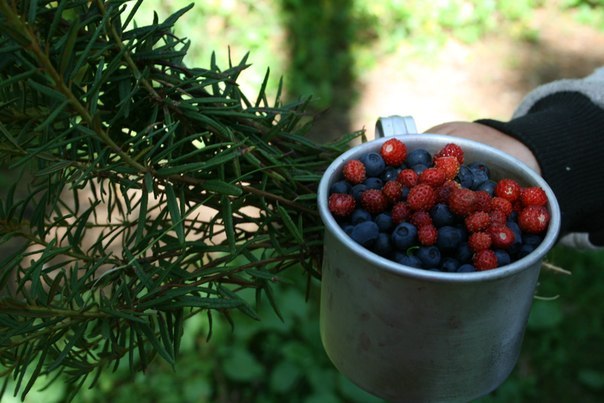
x=565, y=132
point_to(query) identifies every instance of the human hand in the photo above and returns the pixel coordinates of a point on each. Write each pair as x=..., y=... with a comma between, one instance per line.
x=489, y=136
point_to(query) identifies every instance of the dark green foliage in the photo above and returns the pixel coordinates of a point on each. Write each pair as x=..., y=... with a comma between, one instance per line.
x=157, y=190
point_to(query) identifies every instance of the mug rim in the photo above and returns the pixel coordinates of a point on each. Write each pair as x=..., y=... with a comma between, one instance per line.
x=416, y=140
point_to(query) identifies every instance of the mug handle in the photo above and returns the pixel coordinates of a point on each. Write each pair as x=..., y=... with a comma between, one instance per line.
x=394, y=125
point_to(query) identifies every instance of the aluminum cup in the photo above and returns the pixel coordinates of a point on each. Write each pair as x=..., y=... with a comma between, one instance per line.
x=412, y=335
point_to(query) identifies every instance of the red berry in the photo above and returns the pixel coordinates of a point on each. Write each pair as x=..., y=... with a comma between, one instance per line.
x=485, y=260
x=533, y=196
x=449, y=165
x=427, y=234
x=443, y=192
x=497, y=217
x=408, y=177
x=451, y=150
x=354, y=171
x=508, y=189
x=419, y=218
x=432, y=176
x=421, y=197
x=477, y=221
x=394, y=152
x=479, y=241
x=483, y=200
x=501, y=235
x=501, y=204
x=462, y=201
x=393, y=191
x=341, y=204
x=400, y=212
x=374, y=201
x=534, y=219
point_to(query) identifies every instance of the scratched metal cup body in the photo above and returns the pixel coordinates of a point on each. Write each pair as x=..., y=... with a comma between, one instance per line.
x=412, y=335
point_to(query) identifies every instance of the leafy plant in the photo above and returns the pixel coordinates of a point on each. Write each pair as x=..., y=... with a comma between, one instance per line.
x=158, y=191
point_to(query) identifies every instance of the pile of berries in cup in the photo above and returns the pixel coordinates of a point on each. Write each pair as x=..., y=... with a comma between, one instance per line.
x=434, y=212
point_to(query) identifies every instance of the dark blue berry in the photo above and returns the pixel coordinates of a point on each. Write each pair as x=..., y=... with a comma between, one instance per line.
x=449, y=238
x=488, y=186
x=479, y=166
x=419, y=156
x=348, y=228
x=442, y=215
x=503, y=258
x=384, y=222
x=383, y=245
x=525, y=249
x=340, y=187
x=465, y=177
x=464, y=252
x=515, y=246
x=479, y=176
x=390, y=174
x=404, y=236
x=429, y=255
x=405, y=192
x=450, y=265
x=419, y=168
x=374, y=183
x=466, y=268
x=374, y=164
x=357, y=190
x=360, y=215
x=408, y=260
x=532, y=239
x=365, y=233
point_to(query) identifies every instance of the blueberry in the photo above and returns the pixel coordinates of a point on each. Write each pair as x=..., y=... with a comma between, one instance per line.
x=449, y=238
x=488, y=186
x=359, y=215
x=404, y=236
x=374, y=183
x=374, y=164
x=383, y=221
x=357, y=190
x=524, y=250
x=340, y=187
x=465, y=177
x=503, y=258
x=419, y=168
x=383, y=245
x=390, y=174
x=532, y=239
x=429, y=255
x=464, y=252
x=466, y=268
x=515, y=247
x=450, y=265
x=419, y=156
x=408, y=260
x=365, y=233
x=405, y=192
x=441, y=215
x=348, y=228
x=479, y=166
x=479, y=177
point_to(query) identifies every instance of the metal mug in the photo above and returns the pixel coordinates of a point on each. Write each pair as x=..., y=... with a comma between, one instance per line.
x=412, y=335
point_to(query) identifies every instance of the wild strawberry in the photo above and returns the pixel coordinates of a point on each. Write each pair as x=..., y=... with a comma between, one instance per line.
x=501, y=204
x=462, y=201
x=533, y=219
x=449, y=165
x=477, y=221
x=393, y=191
x=497, y=217
x=451, y=150
x=501, y=235
x=419, y=218
x=483, y=200
x=432, y=176
x=341, y=204
x=354, y=171
x=394, y=152
x=533, y=196
x=508, y=189
x=374, y=201
x=400, y=212
x=407, y=177
x=421, y=197
x=443, y=192
x=480, y=240
x=427, y=234
x=485, y=260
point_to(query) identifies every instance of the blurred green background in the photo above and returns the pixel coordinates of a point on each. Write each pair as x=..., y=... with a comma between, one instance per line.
x=436, y=60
